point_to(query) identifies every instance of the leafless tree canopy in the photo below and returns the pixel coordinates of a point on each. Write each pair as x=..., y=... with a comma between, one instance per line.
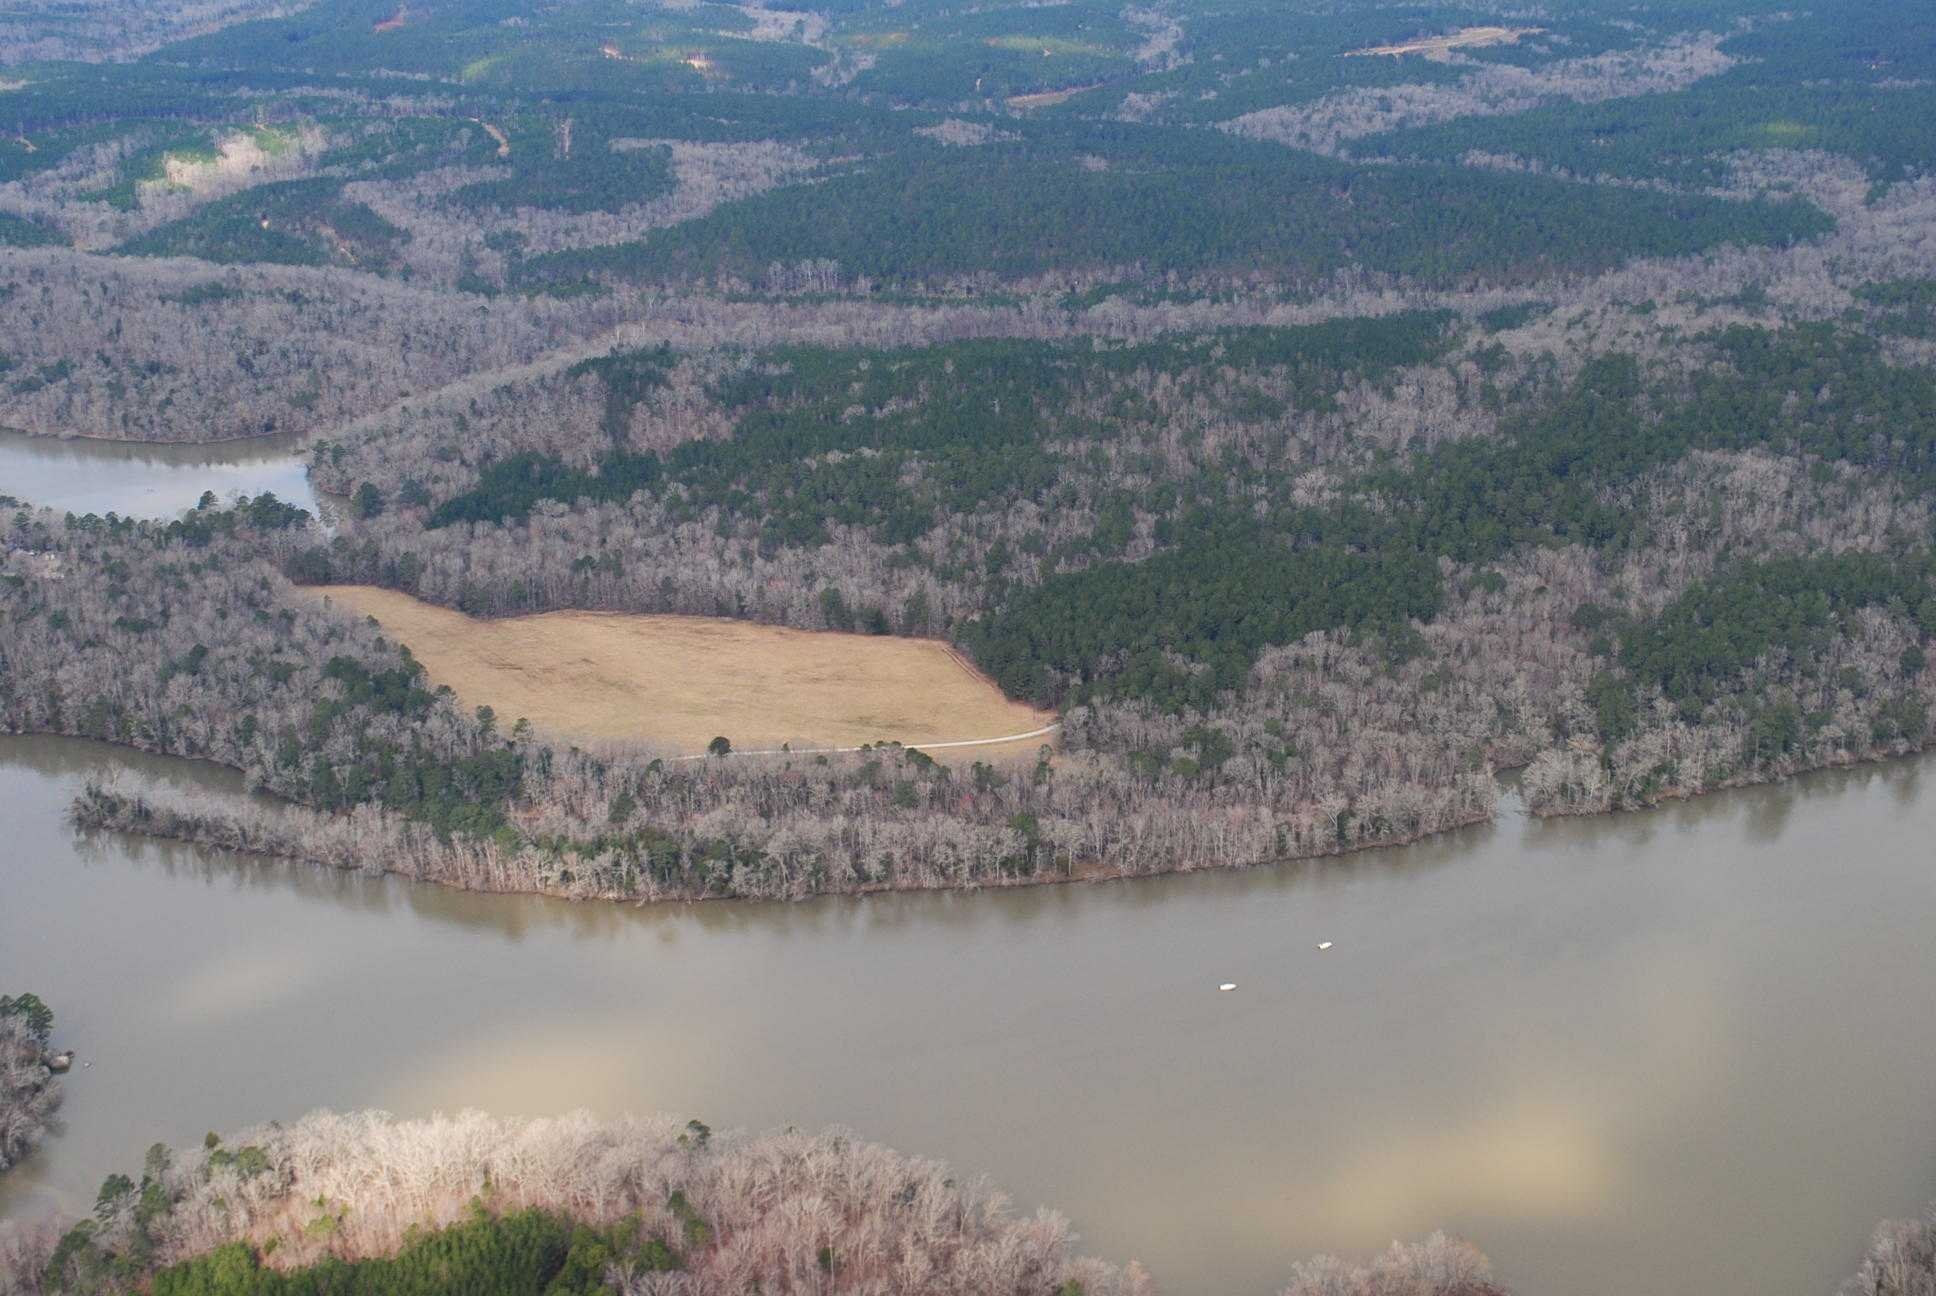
x=434, y=347
x=1437, y=1266
x=771, y=1205
x=1901, y=1260
x=29, y=1093
x=113, y=30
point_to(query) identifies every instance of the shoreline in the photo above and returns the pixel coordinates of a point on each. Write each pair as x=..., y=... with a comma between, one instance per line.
x=96, y=438
x=86, y=822
x=227, y=834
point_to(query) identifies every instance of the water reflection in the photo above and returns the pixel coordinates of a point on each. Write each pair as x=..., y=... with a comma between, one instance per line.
x=133, y=479
x=1599, y=1046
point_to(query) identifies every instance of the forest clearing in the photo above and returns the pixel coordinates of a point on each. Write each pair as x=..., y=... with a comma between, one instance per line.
x=1048, y=98
x=681, y=681
x=1440, y=46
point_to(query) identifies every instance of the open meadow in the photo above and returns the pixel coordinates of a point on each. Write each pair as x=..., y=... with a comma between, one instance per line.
x=681, y=681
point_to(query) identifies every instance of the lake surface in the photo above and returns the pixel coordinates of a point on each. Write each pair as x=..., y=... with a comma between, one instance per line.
x=1685, y=1051
x=139, y=480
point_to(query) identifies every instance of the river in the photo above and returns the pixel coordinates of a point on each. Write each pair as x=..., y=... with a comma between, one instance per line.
x=1687, y=1050
x=1681, y=1051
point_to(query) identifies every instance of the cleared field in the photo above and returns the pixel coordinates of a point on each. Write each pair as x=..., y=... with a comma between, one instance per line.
x=678, y=681
x=1464, y=38
x=1048, y=98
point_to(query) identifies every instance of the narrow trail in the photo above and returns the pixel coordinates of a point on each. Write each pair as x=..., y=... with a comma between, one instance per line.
x=925, y=747
x=503, y=140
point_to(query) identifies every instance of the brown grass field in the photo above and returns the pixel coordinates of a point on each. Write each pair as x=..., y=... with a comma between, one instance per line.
x=677, y=681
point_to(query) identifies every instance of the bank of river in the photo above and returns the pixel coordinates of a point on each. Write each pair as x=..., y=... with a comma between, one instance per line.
x=1676, y=1051
x=141, y=480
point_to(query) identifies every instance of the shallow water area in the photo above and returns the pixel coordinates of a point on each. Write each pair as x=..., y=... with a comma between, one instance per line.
x=1666, y=1052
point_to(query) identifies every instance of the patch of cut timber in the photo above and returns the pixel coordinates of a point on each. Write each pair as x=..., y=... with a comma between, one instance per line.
x=678, y=681
x=1048, y=98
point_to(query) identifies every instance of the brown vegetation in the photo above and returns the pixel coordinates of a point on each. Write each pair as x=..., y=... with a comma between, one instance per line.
x=680, y=681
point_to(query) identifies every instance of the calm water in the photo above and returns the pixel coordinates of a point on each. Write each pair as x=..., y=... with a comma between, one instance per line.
x=1687, y=1051
x=134, y=480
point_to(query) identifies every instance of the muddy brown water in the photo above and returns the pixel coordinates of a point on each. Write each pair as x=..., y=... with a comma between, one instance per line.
x=1681, y=1051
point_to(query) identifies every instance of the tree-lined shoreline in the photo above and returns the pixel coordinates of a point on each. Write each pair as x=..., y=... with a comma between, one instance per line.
x=29, y=1093
x=654, y=1206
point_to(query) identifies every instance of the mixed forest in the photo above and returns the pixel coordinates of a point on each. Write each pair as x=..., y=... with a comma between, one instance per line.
x=1319, y=411
x=1322, y=409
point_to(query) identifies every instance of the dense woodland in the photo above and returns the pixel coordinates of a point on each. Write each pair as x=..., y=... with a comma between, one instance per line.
x=365, y=1203
x=29, y=1094
x=283, y=217
x=1374, y=443
x=1565, y=591
x=386, y=773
